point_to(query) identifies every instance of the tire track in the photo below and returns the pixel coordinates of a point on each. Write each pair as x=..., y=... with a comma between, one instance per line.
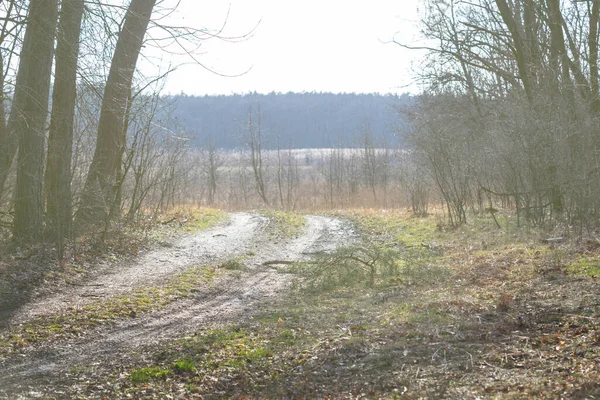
x=230, y=299
x=239, y=235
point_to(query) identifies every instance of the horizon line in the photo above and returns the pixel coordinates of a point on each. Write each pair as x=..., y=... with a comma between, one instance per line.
x=274, y=92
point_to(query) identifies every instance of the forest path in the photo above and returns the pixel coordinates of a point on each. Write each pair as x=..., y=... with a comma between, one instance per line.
x=38, y=371
x=240, y=234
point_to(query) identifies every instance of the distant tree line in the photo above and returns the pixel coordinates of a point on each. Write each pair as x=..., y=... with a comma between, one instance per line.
x=301, y=120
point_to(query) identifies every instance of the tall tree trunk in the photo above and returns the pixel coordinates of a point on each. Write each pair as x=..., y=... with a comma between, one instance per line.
x=558, y=50
x=520, y=50
x=3, y=35
x=99, y=192
x=593, y=46
x=122, y=169
x=2, y=109
x=35, y=68
x=9, y=140
x=4, y=148
x=60, y=141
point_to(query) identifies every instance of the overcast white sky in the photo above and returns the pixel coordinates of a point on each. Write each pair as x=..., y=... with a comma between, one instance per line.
x=308, y=45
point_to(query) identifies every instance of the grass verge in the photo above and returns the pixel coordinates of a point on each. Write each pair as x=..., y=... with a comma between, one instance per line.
x=188, y=220
x=27, y=270
x=285, y=223
x=75, y=322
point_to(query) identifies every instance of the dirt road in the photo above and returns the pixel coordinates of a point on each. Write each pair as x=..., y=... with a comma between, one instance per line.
x=39, y=371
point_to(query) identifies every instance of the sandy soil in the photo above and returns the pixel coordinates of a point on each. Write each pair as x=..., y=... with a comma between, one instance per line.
x=38, y=371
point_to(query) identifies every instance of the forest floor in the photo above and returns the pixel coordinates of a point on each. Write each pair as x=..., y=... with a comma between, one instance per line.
x=467, y=313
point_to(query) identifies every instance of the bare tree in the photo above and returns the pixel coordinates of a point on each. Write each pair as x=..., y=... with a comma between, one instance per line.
x=60, y=141
x=254, y=141
x=369, y=160
x=516, y=84
x=443, y=146
x=292, y=180
x=30, y=110
x=99, y=192
x=242, y=178
x=287, y=177
x=10, y=41
x=211, y=161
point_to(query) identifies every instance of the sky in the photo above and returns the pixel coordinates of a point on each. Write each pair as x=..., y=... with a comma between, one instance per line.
x=302, y=46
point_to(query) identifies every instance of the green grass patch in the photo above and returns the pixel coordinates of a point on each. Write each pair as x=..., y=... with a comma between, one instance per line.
x=285, y=223
x=187, y=220
x=146, y=374
x=396, y=226
x=184, y=365
x=220, y=349
x=204, y=218
x=75, y=321
x=585, y=265
x=250, y=357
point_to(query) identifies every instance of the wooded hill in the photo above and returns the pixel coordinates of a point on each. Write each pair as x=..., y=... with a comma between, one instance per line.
x=300, y=120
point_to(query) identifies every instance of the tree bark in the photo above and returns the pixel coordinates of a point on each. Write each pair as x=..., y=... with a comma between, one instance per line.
x=9, y=139
x=520, y=51
x=30, y=117
x=60, y=141
x=99, y=191
x=559, y=55
x=2, y=109
x=6, y=152
x=593, y=46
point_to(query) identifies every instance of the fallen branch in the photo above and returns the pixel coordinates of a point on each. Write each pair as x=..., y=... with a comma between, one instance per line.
x=554, y=240
x=275, y=262
x=84, y=285
x=169, y=221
